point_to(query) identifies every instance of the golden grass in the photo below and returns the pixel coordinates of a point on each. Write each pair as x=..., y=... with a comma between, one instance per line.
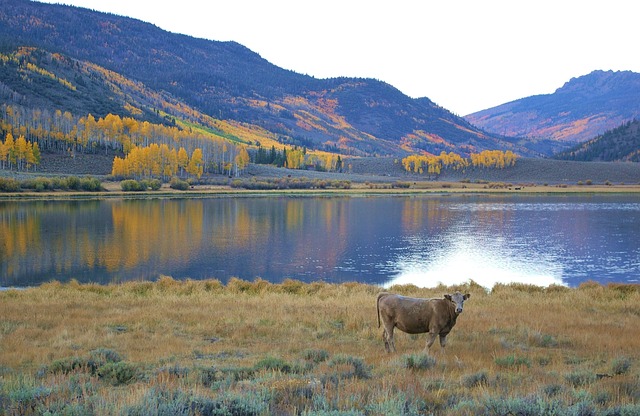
x=517, y=341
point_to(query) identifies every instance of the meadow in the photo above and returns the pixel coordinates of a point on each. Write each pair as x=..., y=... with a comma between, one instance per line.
x=254, y=348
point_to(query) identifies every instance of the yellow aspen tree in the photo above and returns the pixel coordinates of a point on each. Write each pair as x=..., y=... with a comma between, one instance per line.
x=242, y=159
x=195, y=166
x=183, y=159
x=172, y=168
x=29, y=155
x=11, y=151
x=295, y=159
x=155, y=160
x=4, y=154
x=118, y=169
x=21, y=152
x=36, y=153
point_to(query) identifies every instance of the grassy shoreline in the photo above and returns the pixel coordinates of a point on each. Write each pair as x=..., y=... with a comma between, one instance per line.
x=112, y=190
x=200, y=347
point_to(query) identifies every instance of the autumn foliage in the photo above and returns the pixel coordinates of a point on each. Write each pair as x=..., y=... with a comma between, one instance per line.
x=150, y=150
x=433, y=165
x=19, y=154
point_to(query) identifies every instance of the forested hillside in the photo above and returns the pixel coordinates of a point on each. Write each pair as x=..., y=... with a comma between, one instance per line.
x=227, y=82
x=619, y=144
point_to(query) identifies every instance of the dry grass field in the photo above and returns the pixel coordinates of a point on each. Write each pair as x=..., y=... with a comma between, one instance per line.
x=255, y=348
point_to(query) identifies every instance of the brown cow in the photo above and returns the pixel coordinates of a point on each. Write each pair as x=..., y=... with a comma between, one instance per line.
x=417, y=316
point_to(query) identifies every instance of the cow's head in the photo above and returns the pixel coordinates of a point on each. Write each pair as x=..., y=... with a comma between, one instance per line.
x=458, y=299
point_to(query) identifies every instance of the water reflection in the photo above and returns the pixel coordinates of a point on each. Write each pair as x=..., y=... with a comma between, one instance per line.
x=423, y=240
x=461, y=257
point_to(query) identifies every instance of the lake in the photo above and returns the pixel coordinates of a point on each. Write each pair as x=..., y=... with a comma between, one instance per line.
x=423, y=240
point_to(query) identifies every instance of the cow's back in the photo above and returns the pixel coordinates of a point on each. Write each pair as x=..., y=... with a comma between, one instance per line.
x=411, y=315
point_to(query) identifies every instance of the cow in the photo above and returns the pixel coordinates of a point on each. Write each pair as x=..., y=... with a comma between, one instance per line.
x=417, y=316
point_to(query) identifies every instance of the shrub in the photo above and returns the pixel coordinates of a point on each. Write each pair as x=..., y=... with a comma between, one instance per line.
x=538, y=339
x=532, y=405
x=73, y=183
x=90, y=184
x=155, y=184
x=553, y=390
x=274, y=364
x=401, y=185
x=474, y=380
x=9, y=185
x=621, y=365
x=37, y=184
x=131, y=185
x=418, y=361
x=178, y=184
x=580, y=378
x=118, y=373
x=358, y=368
x=512, y=361
x=315, y=356
x=72, y=365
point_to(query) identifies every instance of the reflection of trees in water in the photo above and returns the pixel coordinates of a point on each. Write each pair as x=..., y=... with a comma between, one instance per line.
x=308, y=238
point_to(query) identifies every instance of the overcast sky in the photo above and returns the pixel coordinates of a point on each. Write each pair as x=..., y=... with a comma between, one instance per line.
x=465, y=55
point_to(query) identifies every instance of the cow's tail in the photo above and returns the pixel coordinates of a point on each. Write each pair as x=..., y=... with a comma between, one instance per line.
x=378, y=305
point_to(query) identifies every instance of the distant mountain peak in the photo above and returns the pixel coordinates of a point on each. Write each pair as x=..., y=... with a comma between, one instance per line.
x=600, y=82
x=581, y=109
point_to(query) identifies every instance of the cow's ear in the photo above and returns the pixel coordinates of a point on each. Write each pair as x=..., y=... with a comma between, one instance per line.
x=447, y=297
x=467, y=296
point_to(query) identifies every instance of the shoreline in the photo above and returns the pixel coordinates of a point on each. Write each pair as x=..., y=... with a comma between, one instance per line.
x=204, y=191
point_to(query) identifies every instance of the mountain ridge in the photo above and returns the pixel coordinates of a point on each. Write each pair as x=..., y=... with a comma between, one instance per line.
x=226, y=80
x=581, y=109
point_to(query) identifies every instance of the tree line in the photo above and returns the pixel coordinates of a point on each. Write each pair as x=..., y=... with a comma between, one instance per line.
x=18, y=154
x=433, y=165
x=298, y=158
x=160, y=161
x=58, y=132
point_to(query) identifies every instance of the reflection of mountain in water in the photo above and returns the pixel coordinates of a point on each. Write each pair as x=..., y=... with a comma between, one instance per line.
x=423, y=240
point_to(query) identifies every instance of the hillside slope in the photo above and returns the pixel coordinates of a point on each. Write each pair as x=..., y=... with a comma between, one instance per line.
x=619, y=144
x=225, y=80
x=578, y=111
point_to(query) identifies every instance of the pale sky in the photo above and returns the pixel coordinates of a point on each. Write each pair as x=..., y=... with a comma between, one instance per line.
x=465, y=55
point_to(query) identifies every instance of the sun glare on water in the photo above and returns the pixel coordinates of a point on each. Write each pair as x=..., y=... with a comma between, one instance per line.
x=486, y=261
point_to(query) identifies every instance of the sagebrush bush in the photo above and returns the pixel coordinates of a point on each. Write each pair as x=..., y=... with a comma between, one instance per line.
x=356, y=367
x=418, y=361
x=118, y=373
x=474, y=380
x=316, y=356
x=621, y=365
x=580, y=378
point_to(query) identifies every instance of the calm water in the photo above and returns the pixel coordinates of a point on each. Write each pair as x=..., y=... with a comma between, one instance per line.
x=422, y=240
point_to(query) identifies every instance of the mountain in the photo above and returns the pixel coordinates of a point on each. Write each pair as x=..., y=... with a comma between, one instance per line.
x=227, y=81
x=619, y=144
x=578, y=111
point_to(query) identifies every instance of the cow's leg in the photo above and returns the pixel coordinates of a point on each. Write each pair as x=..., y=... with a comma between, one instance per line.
x=385, y=337
x=431, y=338
x=443, y=342
x=389, y=344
